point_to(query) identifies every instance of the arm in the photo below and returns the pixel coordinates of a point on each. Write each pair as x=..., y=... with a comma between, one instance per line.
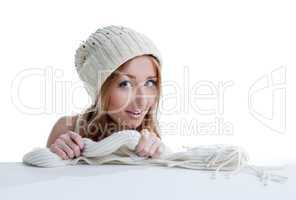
x=62, y=125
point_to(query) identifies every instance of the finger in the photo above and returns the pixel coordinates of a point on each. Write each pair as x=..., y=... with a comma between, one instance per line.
x=61, y=144
x=143, y=146
x=70, y=143
x=74, y=147
x=153, y=148
x=156, y=154
x=158, y=151
x=55, y=149
x=140, y=146
x=161, y=148
x=146, y=149
x=77, y=139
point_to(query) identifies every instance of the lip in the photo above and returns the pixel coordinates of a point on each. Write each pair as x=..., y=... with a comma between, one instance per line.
x=134, y=114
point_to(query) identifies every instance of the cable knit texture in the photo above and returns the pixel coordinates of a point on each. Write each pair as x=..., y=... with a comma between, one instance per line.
x=105, y=50
x=119, y=148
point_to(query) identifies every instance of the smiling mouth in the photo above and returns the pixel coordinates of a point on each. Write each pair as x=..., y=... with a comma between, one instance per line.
x=134, y=114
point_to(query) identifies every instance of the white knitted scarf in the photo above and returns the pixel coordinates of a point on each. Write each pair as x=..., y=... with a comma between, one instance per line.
x=119, y=147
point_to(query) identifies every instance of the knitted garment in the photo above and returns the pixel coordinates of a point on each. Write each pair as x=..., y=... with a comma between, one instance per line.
x=105, y=50
x=119, y=148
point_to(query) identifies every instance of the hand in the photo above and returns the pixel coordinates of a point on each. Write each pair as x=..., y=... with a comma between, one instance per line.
x=149, y=145
x=68, y=145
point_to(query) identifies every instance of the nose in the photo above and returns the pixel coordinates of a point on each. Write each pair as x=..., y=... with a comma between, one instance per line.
x=140, y=98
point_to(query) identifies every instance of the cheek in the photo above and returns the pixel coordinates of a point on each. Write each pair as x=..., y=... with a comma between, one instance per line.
x=151, y=98
x=118, y=100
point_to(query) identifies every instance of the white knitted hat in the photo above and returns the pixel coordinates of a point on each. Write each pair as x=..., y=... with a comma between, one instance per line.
x=105, y=50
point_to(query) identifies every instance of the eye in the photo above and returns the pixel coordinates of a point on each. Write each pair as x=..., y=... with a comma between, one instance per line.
x=124, y=84
x=153, y=82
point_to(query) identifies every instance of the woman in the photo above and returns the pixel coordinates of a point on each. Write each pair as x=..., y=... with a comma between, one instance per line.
x=120, y=70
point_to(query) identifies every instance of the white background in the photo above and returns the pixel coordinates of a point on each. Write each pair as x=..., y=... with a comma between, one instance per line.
x=236, y=42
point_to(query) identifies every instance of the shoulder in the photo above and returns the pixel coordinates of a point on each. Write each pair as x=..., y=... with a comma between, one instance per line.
x=62, y=125
x=67, y=122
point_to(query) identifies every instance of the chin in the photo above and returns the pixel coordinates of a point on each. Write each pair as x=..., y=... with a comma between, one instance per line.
x=133, y=125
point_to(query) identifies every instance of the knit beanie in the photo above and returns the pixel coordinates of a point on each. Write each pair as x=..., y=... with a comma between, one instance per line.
x=105, y=50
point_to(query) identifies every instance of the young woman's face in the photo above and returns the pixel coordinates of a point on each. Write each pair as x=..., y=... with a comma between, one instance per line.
x=133, y=92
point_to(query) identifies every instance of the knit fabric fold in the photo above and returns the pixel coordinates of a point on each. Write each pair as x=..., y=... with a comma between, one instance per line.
x=119, y=148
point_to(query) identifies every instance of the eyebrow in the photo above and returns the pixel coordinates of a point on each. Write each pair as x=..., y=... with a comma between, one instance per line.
x=133, y=77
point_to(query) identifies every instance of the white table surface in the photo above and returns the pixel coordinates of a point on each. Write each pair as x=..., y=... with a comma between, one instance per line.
x=20, y=181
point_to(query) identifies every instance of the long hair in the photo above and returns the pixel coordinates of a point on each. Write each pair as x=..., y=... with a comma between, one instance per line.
x=96, y=124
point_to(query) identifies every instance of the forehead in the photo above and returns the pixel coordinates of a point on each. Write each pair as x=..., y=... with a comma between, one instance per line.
x=141, y=67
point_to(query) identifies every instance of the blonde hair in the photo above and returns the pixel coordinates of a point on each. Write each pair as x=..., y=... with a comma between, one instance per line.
x=96, y=124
